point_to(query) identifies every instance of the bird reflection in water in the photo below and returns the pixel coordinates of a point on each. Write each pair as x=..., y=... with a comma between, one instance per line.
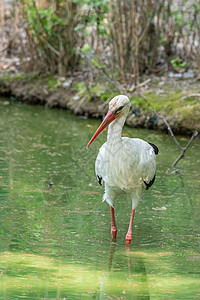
x=133, y=270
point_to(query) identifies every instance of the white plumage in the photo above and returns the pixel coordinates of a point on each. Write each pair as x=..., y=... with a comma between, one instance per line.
x=125, y=165
x=124, y=172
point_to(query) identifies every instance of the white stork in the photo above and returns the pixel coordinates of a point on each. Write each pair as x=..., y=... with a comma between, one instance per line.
x=125, y=165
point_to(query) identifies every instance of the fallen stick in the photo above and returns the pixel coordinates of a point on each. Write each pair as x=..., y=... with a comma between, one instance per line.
x=144, y=82
x=183, y=149
x=190, y=95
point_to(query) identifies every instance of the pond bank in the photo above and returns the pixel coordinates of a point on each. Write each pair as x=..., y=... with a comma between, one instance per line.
x=178, y=102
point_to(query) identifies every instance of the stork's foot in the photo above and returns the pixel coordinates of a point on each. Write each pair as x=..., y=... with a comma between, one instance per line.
x=128, y=238
x=114, y=232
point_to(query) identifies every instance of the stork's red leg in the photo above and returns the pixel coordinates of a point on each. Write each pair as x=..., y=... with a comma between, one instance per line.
x=129, y=233
x=113, y=225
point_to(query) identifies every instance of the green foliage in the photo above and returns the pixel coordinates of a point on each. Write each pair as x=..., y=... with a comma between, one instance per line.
x=94, y=16
x=42, y=20
x=86, y=49
x=51, y=34
x=178, y=63
x=143, y=103
x=64, y=34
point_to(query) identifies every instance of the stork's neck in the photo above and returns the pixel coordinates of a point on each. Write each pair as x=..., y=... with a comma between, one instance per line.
x=115, y=130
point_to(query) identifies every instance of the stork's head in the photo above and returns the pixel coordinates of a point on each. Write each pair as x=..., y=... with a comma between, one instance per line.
x=119, y=106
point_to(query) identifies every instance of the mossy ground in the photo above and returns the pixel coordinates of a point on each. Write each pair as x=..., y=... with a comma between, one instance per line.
x=170, y=99
x=171, y=103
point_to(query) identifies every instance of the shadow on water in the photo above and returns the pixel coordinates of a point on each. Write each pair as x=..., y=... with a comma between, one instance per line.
x=55, y=238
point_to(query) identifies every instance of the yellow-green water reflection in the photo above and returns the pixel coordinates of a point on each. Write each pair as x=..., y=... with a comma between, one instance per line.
x=56, y=242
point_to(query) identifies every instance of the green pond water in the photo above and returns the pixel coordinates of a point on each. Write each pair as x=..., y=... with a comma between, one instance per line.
x=55, y=241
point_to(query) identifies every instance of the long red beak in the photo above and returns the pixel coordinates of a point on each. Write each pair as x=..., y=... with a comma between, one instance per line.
x=107, y=120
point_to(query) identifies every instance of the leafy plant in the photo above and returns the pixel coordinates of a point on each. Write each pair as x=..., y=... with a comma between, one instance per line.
x=51, y=33
x=121, y=39
x=178, y=63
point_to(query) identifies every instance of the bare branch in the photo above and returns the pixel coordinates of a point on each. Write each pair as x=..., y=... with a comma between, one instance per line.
x=143, y=33
x=144, y=82
x=190, y=95
x=170, y=130
x=192, y=137
x=183, y=149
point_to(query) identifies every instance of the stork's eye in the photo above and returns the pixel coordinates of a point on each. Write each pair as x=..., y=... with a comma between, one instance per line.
x=119, y=109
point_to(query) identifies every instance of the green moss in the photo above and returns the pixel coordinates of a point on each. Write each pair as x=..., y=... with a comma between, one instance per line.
x=20, y=77
x=142, y=102
x=32, y=79
x=190, y=112
x=9, y=77
x=170, y=102
x=162, y=101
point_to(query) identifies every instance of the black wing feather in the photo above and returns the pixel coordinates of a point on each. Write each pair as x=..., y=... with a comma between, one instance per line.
x=99, y=178
x=150, y=183
x=155, y=148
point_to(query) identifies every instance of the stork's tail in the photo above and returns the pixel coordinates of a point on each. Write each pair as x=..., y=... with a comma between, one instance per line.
x=108, y=200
